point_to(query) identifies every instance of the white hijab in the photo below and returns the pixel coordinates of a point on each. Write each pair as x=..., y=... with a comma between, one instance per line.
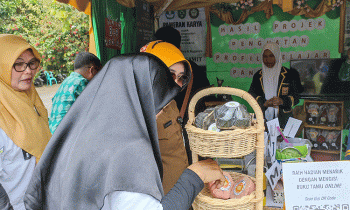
x=270, y=78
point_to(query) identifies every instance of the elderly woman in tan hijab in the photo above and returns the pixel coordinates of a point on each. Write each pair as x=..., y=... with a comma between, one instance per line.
x=24, y=129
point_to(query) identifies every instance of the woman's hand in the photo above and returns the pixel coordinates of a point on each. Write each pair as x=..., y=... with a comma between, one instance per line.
x=273, y=102
x=209, y=171
x=268, y=103
x=276, y=101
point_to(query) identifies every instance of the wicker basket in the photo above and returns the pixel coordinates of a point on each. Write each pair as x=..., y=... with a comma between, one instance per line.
x=228, y=144
x=205, y=200
x=225, y=144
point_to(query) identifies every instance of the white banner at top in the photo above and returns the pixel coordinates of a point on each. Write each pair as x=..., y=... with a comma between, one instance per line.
x=192, y=26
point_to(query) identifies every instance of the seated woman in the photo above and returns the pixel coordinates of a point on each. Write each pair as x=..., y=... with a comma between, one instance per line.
x=24, y=127
x=105, y=153
x=275, y=87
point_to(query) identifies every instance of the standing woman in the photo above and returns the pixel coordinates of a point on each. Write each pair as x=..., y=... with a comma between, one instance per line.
x=275, y=87
x=169, y=121
x=105, y=152
x=24, y=129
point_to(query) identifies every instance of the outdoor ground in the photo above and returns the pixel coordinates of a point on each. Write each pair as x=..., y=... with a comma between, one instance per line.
x=46, y=93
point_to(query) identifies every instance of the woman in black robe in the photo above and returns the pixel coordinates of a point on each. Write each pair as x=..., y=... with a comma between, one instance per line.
x=275, y=87
x=105, y=152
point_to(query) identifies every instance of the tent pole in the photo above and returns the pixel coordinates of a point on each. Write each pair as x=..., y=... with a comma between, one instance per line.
x=163, y=8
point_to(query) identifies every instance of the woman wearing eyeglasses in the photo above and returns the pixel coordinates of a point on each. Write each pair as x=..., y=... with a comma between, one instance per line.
x=24, y=129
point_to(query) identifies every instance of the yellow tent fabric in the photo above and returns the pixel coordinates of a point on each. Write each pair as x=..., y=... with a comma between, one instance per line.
x=81, y=5
x=85, y=5
x=286, y=5
x=92, y=45
x=186, y=4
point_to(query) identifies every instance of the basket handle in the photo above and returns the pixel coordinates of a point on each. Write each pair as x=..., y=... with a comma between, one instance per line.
x=231, y=91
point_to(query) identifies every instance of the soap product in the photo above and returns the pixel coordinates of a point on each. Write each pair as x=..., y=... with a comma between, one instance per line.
x=232, y=114
x=209, y=119
x=225, y=191
x=243, y=186
x=205, y=118
x=200, y=119
x=224, y=114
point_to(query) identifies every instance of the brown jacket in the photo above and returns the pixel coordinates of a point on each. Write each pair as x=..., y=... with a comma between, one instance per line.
x=172, y=149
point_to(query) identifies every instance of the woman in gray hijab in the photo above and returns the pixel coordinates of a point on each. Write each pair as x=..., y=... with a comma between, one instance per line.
x=105, y=152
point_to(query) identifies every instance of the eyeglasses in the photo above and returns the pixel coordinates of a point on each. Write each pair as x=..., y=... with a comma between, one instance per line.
x=21, y=66
x=180, y=78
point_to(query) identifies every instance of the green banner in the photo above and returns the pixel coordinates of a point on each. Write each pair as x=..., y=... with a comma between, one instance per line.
x=126, y=16
x=237, y=48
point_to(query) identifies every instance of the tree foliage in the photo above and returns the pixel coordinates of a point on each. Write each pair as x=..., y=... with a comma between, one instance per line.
x=58, y=31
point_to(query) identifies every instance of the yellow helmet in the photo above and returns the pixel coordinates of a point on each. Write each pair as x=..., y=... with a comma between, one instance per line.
x=166, y=52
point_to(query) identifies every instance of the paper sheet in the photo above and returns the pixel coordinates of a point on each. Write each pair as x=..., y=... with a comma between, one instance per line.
x=272, y=146
x=274, y=174
x=271, y=126
x=266, y=141
x=292, y=127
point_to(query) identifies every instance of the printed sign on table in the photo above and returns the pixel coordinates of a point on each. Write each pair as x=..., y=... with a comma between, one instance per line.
x=317, y=185
x=191, y=24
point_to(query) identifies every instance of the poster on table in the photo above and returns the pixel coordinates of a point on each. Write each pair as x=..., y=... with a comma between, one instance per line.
x=144, y=23
x=113, y=34
x=317, y=185
x=191, y=24
x=237, y=48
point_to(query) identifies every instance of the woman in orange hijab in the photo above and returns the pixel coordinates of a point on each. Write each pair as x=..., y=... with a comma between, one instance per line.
x=24, y=129
x=169, y=121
